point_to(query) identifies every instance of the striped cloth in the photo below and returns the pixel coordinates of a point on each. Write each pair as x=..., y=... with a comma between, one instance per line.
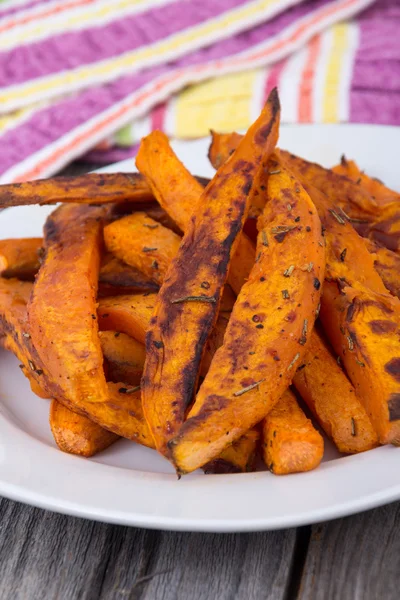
x=82, y=74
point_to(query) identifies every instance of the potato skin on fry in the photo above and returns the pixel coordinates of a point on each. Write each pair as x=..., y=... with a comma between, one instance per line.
x=66, y=285
x=291, y=444
x=91, y=188
x=332, y=399
x=181, y=323
x=268, y=329
x=76, y=434
x=142, y=243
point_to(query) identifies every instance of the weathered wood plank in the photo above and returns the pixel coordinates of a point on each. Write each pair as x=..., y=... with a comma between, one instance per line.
x=49, y=556
x=357, y=558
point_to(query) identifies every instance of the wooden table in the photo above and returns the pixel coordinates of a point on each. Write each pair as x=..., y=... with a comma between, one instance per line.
x=45, y=556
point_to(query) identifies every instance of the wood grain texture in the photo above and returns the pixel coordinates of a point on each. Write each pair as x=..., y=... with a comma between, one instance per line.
x=357, y=558
x=54, y=557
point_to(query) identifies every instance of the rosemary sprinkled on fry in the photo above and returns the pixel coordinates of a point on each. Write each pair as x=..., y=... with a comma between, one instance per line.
x=276, y=172
x=358, y=181
x=304, y=331
x=26, y=335
x=154, y=264
x=150, y=226
x=31, y=365
x=350, y=342
x=264, y=238
x=146, y=249
x=338, y=218
x=205, y=285
x=117, y=334
x=210, y=299
x=321, y=244
x=359, y=362
x=130, y=390
x=289, y=206
x=285, y=294
x=343, y=254
x=287, y=272
x=248, y=388
x=281, y=229
x=339, y=361
x=296, y=358
x=353, y=427
x=258, y=257
x=317, y=310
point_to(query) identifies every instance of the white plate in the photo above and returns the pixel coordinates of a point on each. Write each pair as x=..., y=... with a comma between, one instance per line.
x=131, y=485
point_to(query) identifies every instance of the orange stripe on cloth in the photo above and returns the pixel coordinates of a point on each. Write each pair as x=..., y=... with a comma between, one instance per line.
x=53, y=11
x=307, y=81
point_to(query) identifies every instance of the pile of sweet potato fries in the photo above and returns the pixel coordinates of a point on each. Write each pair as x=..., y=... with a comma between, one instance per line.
x=201, y=318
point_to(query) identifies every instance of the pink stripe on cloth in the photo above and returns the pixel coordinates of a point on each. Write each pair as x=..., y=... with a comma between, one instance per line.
x=92, y=45
x=375, y=89
x=51, y=123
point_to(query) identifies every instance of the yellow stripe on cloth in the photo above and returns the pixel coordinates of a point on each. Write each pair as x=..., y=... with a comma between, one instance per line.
x=338, y=52
x=223, y=104
x=109, y=69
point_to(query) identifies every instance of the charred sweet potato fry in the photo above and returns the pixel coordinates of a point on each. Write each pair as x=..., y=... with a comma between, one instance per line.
x=20, y=258
x=330, y=396
x=178, y=192
x=76, y=434
x=188, y=301
x=91, y=188
x=142, y=243
x=364, y=329
x=116, y=277
x=361, y=320
x=268, y=330
x=291, y=444
x=387, y=263
x=372, y=185
x=121, y=412
x=66, y=285
x=124, y=355
x=132, y=315
x=237, y=458
x=384, y=229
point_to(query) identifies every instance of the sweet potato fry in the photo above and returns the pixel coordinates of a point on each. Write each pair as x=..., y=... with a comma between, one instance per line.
x=132, y=315
x=124, y=357
x=128, y=314
x=387, y=263
x=76, y=434
x=120, y=412
x=222, y=146
x=330, y=396
x=291, y=444
x=178, y=192
x=237, y=458
x=66, y=287
x=91, y=188
x=188, y=301
x=142, y=243
x=372, y=185
x=116, y=277
x=361, y=319
x=269, y=327
x=20, y=258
